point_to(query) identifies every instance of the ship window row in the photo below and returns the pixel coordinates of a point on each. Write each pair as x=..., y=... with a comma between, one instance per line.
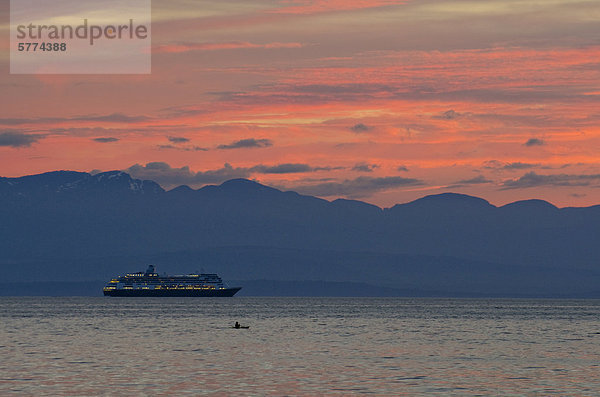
x=186, y=287
x=179, y=279
x=169, y=286
x=168, y=283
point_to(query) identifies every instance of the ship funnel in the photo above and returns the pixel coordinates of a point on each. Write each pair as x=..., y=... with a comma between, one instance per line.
x=150, y=269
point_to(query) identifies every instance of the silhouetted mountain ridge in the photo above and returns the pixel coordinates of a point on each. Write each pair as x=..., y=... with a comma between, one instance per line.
x=64, y=182
x=75, y=223
x=453, y=200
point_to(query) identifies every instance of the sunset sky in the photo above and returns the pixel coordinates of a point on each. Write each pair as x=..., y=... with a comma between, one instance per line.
x=378, y=100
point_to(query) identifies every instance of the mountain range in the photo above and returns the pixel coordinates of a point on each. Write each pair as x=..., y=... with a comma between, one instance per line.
x=62, y=229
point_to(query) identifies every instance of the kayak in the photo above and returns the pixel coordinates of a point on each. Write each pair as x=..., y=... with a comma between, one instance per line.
x=241, y=327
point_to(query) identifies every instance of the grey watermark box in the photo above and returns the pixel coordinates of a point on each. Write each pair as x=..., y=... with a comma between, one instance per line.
x=80, y=36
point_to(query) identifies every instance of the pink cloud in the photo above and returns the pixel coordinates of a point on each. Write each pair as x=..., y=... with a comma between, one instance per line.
x=308, y=7
x=232, y=45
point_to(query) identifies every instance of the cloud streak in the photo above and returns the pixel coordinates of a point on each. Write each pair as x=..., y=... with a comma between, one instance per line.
x=282, y=169
x=532, y=180
x=303, y=7
x=514, y=166
x=478, y=180
x=233, y=45
x=364, y=167
x=535, y=142
x=360, y=127
x=18, y=140
x=177, y=139
x=108, y=118
x=167, y=176
x=105, y=139
x=474, y=181
x=448, y=115
x=357, y=188
x=183, y=148
x=247, y=143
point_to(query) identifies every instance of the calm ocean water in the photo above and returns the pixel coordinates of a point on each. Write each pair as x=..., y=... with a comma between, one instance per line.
x=298, y=346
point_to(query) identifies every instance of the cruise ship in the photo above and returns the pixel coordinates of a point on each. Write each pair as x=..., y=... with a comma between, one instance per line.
x=149, y=283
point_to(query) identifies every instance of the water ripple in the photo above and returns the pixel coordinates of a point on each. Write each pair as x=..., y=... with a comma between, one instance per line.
x=298, y=346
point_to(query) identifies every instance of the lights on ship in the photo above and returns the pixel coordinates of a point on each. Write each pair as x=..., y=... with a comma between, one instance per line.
x=195, y=284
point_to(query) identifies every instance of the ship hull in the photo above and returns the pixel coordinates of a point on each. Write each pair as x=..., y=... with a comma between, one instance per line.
x=227, y=292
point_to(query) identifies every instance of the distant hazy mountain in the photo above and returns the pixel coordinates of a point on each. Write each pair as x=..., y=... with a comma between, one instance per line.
x=70, y=226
